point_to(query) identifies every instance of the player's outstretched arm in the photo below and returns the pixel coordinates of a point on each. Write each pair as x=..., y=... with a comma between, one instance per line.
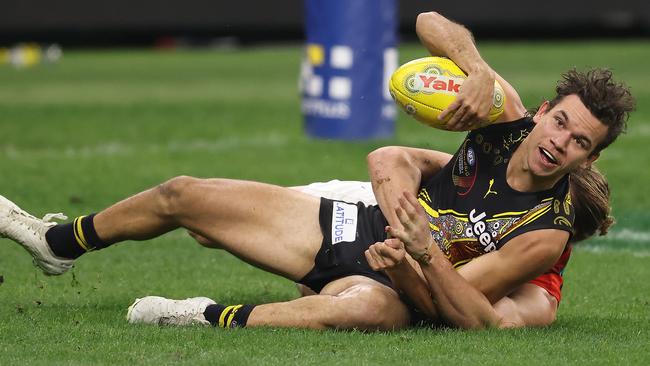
x=521, y=259
x=442, y=37
x=527, y=306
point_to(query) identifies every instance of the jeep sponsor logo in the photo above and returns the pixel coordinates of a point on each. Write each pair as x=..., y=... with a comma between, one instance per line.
x=479, y=229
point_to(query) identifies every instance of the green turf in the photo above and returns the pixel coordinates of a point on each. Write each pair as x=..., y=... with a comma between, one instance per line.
x=99, y=126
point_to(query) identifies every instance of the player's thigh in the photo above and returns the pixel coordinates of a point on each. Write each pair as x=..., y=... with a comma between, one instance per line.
x=271, y=227
x=364, y=303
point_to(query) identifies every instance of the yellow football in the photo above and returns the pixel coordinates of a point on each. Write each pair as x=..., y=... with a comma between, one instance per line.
x=427, y=86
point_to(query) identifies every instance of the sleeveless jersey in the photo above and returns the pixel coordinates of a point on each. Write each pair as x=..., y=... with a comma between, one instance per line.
x=470, y=206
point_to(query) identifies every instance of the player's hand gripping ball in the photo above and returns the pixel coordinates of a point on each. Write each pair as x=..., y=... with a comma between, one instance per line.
x=427, y=86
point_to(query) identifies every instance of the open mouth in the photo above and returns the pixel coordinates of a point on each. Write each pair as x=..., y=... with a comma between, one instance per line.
x=548, y=156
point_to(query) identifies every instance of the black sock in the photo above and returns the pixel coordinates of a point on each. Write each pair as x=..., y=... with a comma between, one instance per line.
x=73, y=239
x=232, y=316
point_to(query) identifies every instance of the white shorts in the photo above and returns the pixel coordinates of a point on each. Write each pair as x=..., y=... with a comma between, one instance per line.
x=348, y=191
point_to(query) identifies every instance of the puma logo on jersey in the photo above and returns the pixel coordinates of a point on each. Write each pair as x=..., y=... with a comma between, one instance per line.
x=490, y=189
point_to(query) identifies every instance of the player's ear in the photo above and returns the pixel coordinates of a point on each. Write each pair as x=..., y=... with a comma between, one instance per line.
x=590, y=160
x=541, y=111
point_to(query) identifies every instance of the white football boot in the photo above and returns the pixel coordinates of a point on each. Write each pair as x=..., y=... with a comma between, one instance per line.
x=29, y=232
x=161, y=311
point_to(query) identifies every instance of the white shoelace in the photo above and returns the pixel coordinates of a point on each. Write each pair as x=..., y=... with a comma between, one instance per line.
x=47, y=219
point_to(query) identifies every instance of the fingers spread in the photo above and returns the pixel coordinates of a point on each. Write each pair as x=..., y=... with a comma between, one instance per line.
x=455, y=122
x=402, y=216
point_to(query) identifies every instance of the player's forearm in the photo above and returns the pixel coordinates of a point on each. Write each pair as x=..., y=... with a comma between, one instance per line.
x=392, y=171
x=442, y=37
x=412, y=285
x=455, y=299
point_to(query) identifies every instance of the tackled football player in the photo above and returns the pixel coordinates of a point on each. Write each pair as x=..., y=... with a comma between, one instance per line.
x=586, y=115
x=290, y=233
x=535, y=303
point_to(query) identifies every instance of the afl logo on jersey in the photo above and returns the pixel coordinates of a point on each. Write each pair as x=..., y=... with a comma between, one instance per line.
x=471, y=159
x=464, y=173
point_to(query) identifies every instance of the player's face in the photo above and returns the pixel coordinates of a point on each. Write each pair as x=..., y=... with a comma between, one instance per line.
x=564, y=138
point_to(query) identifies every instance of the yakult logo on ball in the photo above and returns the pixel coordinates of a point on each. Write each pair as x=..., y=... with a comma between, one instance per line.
x=434, y=81
x=427, y=83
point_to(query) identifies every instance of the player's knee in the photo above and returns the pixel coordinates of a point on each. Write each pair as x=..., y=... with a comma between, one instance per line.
x=371, y=308
x=172, y=193
x=551, y=312
x=548, y=312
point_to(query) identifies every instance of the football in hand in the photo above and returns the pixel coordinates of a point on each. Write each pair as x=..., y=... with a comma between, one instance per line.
x=427, y=86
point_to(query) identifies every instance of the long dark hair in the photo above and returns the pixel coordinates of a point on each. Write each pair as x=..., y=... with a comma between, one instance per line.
x=590, y=197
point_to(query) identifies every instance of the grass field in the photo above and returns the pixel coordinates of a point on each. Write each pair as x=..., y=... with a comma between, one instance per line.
x=99, y=126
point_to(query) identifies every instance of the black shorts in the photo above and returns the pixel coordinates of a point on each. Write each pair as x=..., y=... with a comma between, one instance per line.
x=346, y=236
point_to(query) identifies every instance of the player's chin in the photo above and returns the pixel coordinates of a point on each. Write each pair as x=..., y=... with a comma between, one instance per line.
x=545, y=171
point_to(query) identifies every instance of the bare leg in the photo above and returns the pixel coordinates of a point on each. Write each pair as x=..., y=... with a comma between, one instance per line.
x=353, y=302
x=271, y=227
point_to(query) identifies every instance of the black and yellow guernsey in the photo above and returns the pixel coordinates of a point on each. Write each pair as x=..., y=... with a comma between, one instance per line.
x=470, y=206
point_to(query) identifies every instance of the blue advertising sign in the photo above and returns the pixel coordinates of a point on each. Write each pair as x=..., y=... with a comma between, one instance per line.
x=351, y=52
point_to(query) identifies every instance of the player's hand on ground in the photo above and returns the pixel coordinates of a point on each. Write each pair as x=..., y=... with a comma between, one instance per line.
x=386, y=255
x=415, y=233
x=472, y=106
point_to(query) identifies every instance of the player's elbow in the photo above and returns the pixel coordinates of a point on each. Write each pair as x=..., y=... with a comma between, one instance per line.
x=390, y=162
x=426, y=19
x=385, y=156
x=383, y=152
